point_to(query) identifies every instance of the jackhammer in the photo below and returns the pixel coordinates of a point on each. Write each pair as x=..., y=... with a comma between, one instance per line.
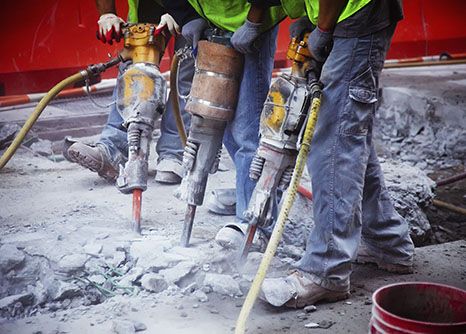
x=212, y=103
x=282, y=125
x=141, y=96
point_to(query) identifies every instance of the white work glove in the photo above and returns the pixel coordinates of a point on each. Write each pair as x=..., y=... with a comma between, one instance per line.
x=109, y=28
x=166, y=20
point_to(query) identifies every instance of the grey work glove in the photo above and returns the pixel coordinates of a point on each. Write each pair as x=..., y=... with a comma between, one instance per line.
x=192, y=31
x=300, y=26
x=319, y=44
x=243, y=38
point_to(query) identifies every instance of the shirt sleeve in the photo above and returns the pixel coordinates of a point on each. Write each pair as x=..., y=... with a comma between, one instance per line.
x=180, y=10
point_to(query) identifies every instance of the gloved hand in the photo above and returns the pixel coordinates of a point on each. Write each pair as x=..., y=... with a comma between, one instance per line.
x=192, y=31
x=319, y=44
x=243, y=38
x=300, y=26
x=166, y=20
x=109, y=28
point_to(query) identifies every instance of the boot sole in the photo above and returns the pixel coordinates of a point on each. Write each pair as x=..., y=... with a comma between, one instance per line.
x=392, y=268
x=331, y=298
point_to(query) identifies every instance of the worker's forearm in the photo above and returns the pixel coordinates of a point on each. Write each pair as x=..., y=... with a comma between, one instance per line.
x=105, y=6
x=256, y=13
x=329, y=12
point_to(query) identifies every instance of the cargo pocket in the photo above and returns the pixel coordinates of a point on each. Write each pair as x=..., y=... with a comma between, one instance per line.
x=360, y=107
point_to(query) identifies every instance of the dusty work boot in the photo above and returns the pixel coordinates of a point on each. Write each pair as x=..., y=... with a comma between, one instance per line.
x=222, y=202
x=231, y=236
x=169, y=171
x=366, y=256
x=297, y=290
x=94, y=158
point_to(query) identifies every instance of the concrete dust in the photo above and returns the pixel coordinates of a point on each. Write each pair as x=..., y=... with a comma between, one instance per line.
x=69, y=262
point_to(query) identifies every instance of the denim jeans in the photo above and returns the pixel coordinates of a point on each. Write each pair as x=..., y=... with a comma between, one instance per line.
x=350, y=197
x=241, y=137
x=113, y=137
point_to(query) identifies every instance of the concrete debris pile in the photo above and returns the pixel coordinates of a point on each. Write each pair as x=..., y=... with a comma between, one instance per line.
x=421, y=128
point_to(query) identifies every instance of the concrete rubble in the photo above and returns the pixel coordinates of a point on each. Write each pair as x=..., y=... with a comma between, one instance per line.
x=69, y=261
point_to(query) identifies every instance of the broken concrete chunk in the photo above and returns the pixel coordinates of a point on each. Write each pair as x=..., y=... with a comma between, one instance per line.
x=10, y=257
x=178, y=272
x=149, y=254
x=222, y=284
x=277, y=291
x=72, y=263
x=139, y=326
x=201, y=296
x=93, y=249
x=59, y=290
x=312, y=325
x=154, y=282
x=118, y=258
x=123, y=327
x=25, y=299
x=42, y=147
x=310, y=308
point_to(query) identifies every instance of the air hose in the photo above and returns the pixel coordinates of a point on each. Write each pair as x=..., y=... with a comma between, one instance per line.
x=174, y=98
x=284, y=212
x=91, y=71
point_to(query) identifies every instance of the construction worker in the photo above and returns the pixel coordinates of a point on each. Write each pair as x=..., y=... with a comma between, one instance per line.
x=255, y=37
x=111, y=149
x=352, y=207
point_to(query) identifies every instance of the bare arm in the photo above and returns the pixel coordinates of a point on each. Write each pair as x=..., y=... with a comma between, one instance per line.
x=329, y=12
x=256, y=13
x=105, y=6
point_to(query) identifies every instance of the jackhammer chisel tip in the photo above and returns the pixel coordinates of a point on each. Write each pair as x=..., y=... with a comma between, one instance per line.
x=188, y=225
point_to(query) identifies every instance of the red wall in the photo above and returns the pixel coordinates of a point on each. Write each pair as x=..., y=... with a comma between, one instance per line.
x=47, y=40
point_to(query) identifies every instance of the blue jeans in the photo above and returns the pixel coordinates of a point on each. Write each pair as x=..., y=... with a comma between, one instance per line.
x=113, y=137
x=350, y=197
x=242, y=134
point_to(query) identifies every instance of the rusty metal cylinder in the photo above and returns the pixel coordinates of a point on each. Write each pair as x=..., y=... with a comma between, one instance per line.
x=214, y=91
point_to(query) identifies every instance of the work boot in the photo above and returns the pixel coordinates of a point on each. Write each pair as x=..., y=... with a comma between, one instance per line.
x=297, y=290
x=94, y=158
x=231, y=236
x=222, y=202
x=366, y=256
x=169, y=171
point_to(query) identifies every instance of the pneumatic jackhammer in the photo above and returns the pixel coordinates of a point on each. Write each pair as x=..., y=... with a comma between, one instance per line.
x=141, y=96
x=212, y=103
x=282, y=123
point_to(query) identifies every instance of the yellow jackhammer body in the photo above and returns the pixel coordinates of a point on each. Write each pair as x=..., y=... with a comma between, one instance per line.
x=282, y=124
x=141, y=96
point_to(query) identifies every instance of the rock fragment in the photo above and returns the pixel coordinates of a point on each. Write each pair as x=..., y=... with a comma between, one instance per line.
x=72, y=263
x=154, y=282
x=223, y=284
x=10, y=257
x=123, y=327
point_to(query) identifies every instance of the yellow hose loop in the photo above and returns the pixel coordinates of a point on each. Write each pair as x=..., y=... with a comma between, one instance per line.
x=174, y=98
x=281, y=221
x=35, y=115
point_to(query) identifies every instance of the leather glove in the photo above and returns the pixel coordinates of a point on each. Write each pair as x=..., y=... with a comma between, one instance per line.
x=109, y=28
x=192, y=31
x=300, y=26
x=166, y=20
x=243, y=38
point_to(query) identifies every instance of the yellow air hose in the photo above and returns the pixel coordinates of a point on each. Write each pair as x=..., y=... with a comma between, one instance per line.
x=280, y=225
x=35, y=115
x=91, y=71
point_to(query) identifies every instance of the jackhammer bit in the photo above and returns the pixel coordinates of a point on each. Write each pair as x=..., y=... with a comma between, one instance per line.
x=281, y=127
x=212, y=103
x=141, y=96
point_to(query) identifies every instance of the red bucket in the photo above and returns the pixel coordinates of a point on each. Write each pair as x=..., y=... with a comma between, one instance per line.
x=418, y=307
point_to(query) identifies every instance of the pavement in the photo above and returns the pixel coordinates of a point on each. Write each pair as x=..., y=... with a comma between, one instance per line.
x=74, y=266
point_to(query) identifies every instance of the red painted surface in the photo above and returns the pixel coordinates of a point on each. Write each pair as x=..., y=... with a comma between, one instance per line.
x=45, y=41
x=418, y=307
